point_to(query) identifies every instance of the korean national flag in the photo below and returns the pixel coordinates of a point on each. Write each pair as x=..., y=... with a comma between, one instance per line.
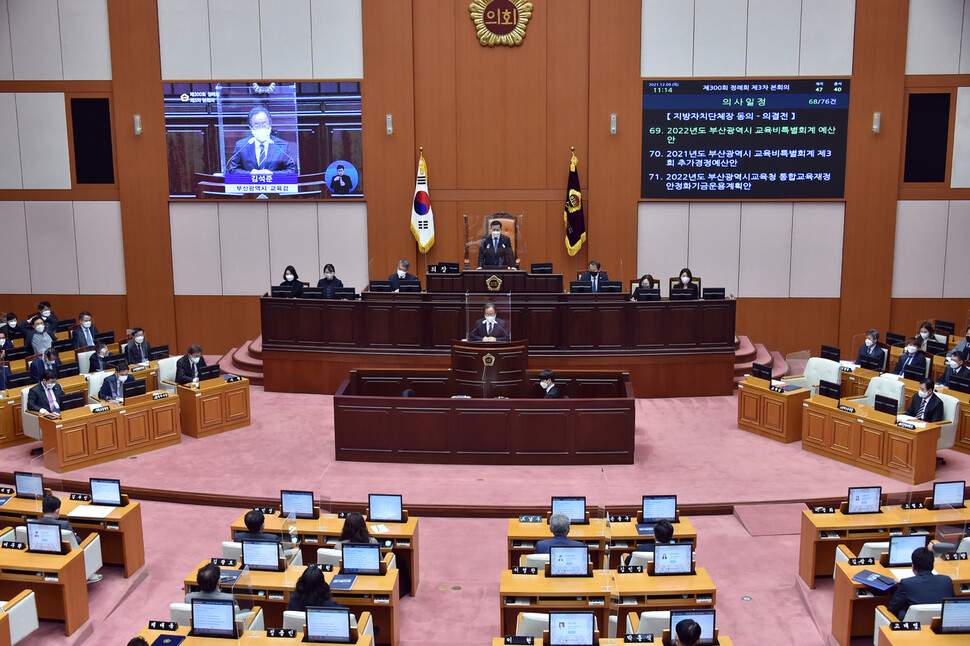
x=422, y=218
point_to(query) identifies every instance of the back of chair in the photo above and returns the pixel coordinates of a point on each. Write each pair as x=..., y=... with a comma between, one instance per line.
x=887, y=387
x=532, y=624
x=22, y=615
x=536, y=560
x=818, y=369
x=84, y=361
x=95, y=381
x=166, y=372
x=874, y=550
x=231, y=550
x=181, y=613
x=329, y=556
x=641, y=558
x=29, y=421
x=951, y=414
x=653, y=622
x=294, y=620
x=923, y=612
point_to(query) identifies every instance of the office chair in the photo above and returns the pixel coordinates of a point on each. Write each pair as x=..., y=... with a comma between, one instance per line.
x=21, y=615
x=921, y=612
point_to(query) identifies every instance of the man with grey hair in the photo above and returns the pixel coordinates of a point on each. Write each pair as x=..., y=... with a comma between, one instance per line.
x=559, y=526
x=401, y=274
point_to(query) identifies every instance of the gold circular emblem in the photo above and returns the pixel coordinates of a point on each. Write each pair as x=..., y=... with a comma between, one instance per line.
x=488, y=360
x=494, y=283
x=500, y=22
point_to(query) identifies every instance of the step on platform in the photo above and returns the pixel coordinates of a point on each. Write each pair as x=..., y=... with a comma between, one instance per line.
x=245, y=361
x=747, y=353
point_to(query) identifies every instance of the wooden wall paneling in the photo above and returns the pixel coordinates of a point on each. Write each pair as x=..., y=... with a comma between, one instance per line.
x=872, y=166
x=140, y=165
x=217, y=323
x=907, y=313
x=613, y=168
x=448, y=234
x=790, y=324
x=388, y=88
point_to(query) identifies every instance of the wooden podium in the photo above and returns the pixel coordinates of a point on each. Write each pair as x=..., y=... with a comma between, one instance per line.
x=486, y=369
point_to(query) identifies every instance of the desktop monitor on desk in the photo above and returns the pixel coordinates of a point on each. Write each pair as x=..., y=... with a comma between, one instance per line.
x=955, y=618
x=864, y=500
x=28, y=485
x=914, y=374
x=19, y=352
x=21, y=379
x=328, y=625
x=887, y=405
x=674, y=559
x=893, y=339
x=571, y=628
x=69, y=369
x=704, y=618
x=210, y=372
x=314, y=292
x=960, y=384
x=44, y=537
x=569, y=561
x=157, y=352
x=133, y=388
x=214, y=618
x=386, y=508
x=345, y=294
x=945, y=327
x=829, y=389
x=105, y=337
x=713, y=293
x=540, y=268
x=105, y=491
x=871, y=363
x=71, y=401
x=63, y=345
x=409, y=287
x=361, y=558
x=647, y=294
x=948, y=494
x=935, y=347
x=761, y=371
x=380, y=285
x=572, y=506
x=611, y=287
x=298, y=503
x=580, y=287
x=282, y=291
x=681, y=294
x=262, y=555
x=657, y=508
x=831, y=353
x=901, y=549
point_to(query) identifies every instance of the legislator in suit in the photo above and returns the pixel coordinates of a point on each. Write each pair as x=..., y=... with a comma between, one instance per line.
x=547, y=381
x=112, y=387
x=929, y=408
x=955, y=367
x=187, y=367
x=924, y=587
x=330, y=283
x=489, y=327
x=496, y=249
x=914, y=358
x=138, y=347
x=48, y=361
x=83, y=337
x=873, y=351
x=402, y=274
x=594, y=276
x=261, y=151
x=42, y=399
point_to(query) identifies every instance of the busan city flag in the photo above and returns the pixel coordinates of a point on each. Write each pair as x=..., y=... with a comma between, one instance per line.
x=573, y=214
x=422, y=218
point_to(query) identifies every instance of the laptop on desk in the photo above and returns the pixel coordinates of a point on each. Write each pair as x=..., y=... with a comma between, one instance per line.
x=214, y=618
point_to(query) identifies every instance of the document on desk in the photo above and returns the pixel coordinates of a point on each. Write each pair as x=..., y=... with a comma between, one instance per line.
x=90, y=511
x=380, y=529
x=343, y=582
x=904, y=572
x=873, y=580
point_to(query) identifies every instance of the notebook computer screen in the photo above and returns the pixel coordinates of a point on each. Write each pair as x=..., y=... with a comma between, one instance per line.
x=657, y=508
x=572, y=506
x=44, y=538
x=361, y=558
x=949, y=494
x=901, y=549
x=704, y=618
x=673, y=559
x=325, y=624
x=213, y=618
x=864, y=500
x=105, y=492
x=568, y=560
x=261, y=555
x=28, y=485
x=571, y=628
x=955, y=618
x=298, y=503
x=386, y=508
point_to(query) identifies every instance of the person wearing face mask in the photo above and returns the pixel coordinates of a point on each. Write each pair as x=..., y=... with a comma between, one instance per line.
x=490, y=328
x=926, y=405
x=687, y=284
x=4, y=370
x=261, y=153
x=137, y=349
x=45, y=314
x=547, y=380
x=45, y=397
x=594, y=276
x=42, y=338
x=187, y=367
x=329, y=283
x=83, y=335
x=871, y=348
x=292, y=280
x=496, y=250
x=5, y=342
x=400, y=274
x=99, y=360
x=13, y=332
x=50, y=360
x=963, y=346
x=112, y=388
x=956, y=366
x=911, y=356
x=926, y=333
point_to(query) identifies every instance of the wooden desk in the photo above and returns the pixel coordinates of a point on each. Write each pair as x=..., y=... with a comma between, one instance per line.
x=923, y=637
x=640, y=592
x=864, y=440
x=597, y=535
x=722, y=640
x=249, y=636
x=214, y=406
x=537, y=593
x=854, y=615
x=122, y=537
x=57, y=581
x=80, y=438
x=377, y=595
x=771, y=414
x=325, y=532
x=11, y=424
x=474, y=281
x=822, y=533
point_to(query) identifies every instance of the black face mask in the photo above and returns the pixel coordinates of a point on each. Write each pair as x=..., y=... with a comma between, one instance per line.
x=594, y=272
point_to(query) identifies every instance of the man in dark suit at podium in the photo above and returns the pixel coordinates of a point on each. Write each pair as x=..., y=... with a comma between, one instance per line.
x=594, y=275
x=262, y=152
x=401, y=274
x=496, y=250
x=490, y=328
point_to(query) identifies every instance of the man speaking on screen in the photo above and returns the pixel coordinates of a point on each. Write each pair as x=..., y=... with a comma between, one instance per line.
x=262, y=153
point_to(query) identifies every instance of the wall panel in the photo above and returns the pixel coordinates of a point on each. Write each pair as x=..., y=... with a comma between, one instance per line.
x=789, y=324
x=667, y=38
x=337, y=39
x=765, y=252
x=714, y=244
x=183, y=30
x=10, y=171
x=234, y=39
x=662, y=239
x=284, y=35
x=85, y=48
x=909, y=313
x=6, y=55
x=343, y=242
x=817, y=249
x=35, y=41
x=772, y=47
x=197, y=267
x=957, y=267
x=918, y=259
x=720, y=34
x=237, y=316
x=960, y=168
x=826, y=42
x=293, y=241
x=100, y=248
x=243, y=236
x=51, y=247
x=15, y=278
x=933, y=37
x=42, y=125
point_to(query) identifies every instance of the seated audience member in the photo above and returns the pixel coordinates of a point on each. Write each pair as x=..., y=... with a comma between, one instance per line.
x=41, y=336
x=871, y=347
x=594, y=276
x=926, y=405
x=355, y=530
x=51, y=507
x=137, y=641
x=4, y=370
x=559, y=526
x=926, y=333
x=47, y=361
x=99, y=360
x=956, y=365
x=963, y=345
x=663, y=533
x=685, y=283
x=208, y=578
x=910, y=357
x=13, y=332
x=925, y=587
x=489, y=327
x=292, y=280
x=112, y=387
x=187, y=367
x=547, y=379
x=255, y=520
x=401, y=274
x=688, y=632
x=83, y=335
x=43, y=313
x=646, y=282
x=5, y=339
x=46, y=396
x=138, y=348
x=329, y=283
x=312, y=589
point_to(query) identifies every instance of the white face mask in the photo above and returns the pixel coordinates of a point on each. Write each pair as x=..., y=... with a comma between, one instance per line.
x=86, y=324
x=261, y=134
x=911, y=349
x=954, y=364
x=544, y=384
x=104, y=352
x=288, y=276
x=684, y=279
x=496, y=235
x=12, y=323
x=39, y=329
x=194, y=359
x=49, y=386
x=139, y=339
x=869, y=343
x=924, y=334
x=924, y=394
x=328, y=276
x=45, y=313
x=401, y=273
x=490, y=319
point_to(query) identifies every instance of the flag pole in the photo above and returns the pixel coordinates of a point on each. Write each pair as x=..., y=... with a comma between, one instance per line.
x=420, y=155
x=572, y=153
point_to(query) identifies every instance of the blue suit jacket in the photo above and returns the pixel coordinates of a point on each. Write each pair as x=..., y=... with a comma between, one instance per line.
x=77, y=337
x=919, y=361
x=279, y=158
x=4, y=373
x=875, y=351
x=542, y=547
x=110, y=386
x=586, y=277
x=925, y=587
x=37, y=368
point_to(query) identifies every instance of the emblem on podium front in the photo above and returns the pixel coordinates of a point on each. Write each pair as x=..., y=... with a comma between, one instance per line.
x=494, y=283
x=488, y=360
x=500, y=22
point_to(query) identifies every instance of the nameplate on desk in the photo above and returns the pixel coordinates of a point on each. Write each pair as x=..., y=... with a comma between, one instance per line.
x=224, y=562
x=6, y=490
x=162, y=625
x=139, y=368
x=83, y=497
x=904, y=625
x=913, y=505
x=847, y=368
x=620, y=518
x=342, y=514
x=269, y=511
x=519, y=641
x=846, y=409
x=776, y=389
x=159, y=396
x=637, y=638
x=525, y=569
x=955, y=556
x=530, y=519
x=13, y=545
x=630, y=569
x=101, y=409
x=823, y=510
x=323, y=567
x=906, y=425
x=281, y=632
x=231, y=378
x=866, y=560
